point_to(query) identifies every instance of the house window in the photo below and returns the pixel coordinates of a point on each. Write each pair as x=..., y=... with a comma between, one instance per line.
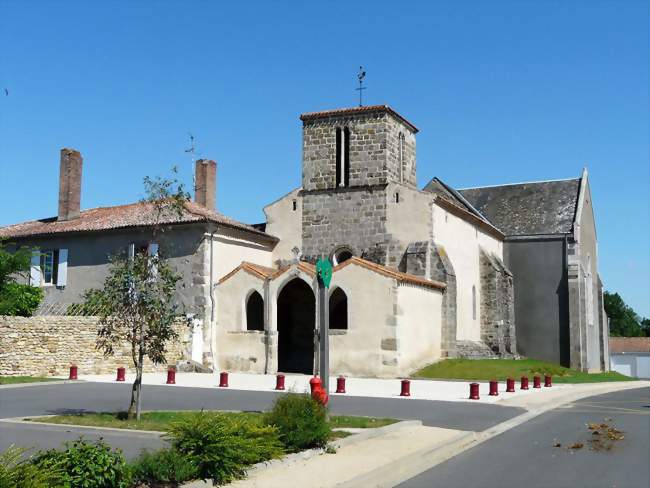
x=255, y=312
x=473, y=302
x=49, y=261
x=396, y=197
x=338, y=310
x=342, y=157
x=295, y=205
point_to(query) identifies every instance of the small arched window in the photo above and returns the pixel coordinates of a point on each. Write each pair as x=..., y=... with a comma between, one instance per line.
x=473, y=302
x=341, y=255
x=338, y=310
x=255, y=312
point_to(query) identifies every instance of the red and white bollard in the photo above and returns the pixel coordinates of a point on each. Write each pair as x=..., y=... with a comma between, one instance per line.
x=524, y=383
x=121, y=374
x=340, y=384
x=510, y=385
x=279, y=382
x=223, y=379
x=494, y=388
x=547, y=381
x=73, y=373
x=473, y=391
x=406, y=388
x=537, y=382
x=171, y=376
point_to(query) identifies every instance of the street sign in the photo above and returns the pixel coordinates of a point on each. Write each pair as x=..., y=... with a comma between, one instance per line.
x=324, y=270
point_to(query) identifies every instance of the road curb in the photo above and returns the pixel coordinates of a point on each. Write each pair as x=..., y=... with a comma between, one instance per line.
x=26, y=421
x=407, y=467
x=36, y=383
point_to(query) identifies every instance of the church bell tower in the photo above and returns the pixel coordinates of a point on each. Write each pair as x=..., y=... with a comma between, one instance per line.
x=350, y=156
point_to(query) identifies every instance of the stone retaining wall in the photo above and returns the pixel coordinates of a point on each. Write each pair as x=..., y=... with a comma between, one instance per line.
x=48, y=345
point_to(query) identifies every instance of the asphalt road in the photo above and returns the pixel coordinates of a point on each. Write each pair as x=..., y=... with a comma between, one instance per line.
x=105, y=397
x=526, y=457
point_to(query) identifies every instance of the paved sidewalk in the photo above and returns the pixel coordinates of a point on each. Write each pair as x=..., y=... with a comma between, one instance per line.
x=451, y=391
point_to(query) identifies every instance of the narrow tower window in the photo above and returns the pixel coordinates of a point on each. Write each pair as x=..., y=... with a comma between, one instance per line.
x=473, y=302
x=400, y=155
x=342, y=157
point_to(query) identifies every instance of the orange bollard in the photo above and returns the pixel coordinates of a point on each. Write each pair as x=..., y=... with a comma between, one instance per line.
x=494, y=388
x=510, y=385
x=223, y=379
x=537, y=382
x=121, y=374
x=524, y=383
x=279, y=382
x=73, y=373
x=547, y=381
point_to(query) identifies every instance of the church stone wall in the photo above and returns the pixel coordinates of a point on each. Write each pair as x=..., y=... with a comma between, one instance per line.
x=355, y=218
x=285, y=223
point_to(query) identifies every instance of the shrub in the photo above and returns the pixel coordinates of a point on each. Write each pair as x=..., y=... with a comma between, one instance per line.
x=164, y=467
x=301, y=421
x=223, y=446
x=21, y=300
x=87, y=465
x=18, y=471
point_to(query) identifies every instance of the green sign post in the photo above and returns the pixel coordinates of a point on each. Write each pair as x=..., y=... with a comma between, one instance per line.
x=324, y=275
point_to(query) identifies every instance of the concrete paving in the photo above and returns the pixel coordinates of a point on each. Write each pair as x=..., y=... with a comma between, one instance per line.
x=526, y=456
x=448, y=391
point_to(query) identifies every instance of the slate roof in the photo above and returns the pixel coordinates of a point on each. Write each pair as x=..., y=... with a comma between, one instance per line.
x=523, y=209
x=122, y=216
x=629, y=344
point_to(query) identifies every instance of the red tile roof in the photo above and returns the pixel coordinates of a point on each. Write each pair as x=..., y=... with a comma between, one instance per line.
x=122, y=216
x=629, y=344
x=356, y=110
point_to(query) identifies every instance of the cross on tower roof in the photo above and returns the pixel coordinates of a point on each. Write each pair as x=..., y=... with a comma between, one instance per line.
x=361, y=76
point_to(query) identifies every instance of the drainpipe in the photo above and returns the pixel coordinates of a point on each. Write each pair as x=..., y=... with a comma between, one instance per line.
x=212, y=301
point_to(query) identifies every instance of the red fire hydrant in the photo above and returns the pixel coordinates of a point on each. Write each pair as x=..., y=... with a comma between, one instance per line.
x=171, y=376
x=494, y=388
x=314, y=385
x=510, y=385
x=473, y=391
x=537, y=382
x=223, y=379
x=121, y=374
x=406, y=388
x=340, y=384
x=547, y=381
x=279, y=382
x=524, y=382
x=73, y=373
x=321, y=396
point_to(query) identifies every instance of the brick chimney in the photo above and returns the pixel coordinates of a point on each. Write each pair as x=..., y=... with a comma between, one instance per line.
x=70, y=184
x=205, y=178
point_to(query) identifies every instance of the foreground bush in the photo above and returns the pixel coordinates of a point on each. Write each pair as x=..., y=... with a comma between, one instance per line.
x=165, y=467
x=17, y=471
x=86, y=465
x=301, y=421
x=222, y=446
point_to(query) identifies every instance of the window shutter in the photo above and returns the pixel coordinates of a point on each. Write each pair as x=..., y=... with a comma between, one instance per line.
x=153, y=249
x=62, y=271
x=35, y=269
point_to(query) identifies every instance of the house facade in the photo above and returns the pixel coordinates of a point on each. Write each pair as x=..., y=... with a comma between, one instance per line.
x=419, y=274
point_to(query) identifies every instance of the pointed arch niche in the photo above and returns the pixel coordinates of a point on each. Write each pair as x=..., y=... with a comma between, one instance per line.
x=338, y=310
x=255, y=312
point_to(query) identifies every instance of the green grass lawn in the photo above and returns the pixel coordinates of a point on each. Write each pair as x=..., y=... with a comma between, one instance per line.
x=160, y=420
x=500, y=369
x=10, y=380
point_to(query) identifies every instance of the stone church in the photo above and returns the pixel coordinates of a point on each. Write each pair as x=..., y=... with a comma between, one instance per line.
x=419, y=274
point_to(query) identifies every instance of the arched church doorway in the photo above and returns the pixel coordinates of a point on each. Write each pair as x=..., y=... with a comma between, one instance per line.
x=296, y=322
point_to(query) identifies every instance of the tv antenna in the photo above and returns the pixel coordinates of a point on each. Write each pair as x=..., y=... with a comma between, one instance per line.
x=192, y=150
x=361, y=76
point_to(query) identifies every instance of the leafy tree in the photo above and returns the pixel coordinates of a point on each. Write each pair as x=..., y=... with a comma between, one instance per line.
x=623, y=321
x=15, y=298
x=137, y=302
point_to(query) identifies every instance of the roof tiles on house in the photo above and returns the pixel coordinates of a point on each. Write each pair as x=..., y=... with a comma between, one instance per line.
x=139, y=214
x=629, y=344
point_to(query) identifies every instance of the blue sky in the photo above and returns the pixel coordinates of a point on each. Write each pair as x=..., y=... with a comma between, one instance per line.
x=501, y=91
